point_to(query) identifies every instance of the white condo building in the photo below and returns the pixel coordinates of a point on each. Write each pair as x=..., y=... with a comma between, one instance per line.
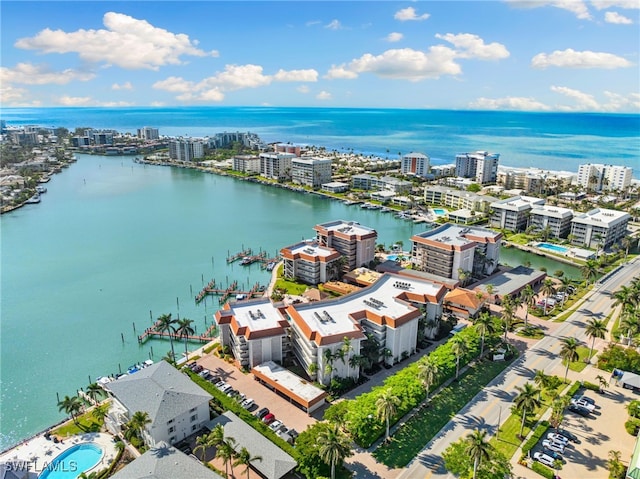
x=512, y=213
x=310, y=262
x=599, y=228
x=246, y=163
x=600, y=177
x=355, y=242
x=311, y=172
x=415, y=164
x=557, y=219
x=186, y=149
x=276, y=166
x=481, y=165
x=148, y=133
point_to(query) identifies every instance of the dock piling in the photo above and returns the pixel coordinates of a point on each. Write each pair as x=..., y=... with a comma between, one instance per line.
x=122, y=337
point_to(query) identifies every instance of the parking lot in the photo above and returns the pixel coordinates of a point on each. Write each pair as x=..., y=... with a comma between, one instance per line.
x=281, y=408
x=599, y=433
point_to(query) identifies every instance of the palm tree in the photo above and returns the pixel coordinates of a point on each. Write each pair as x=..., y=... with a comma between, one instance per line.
x=458, y=347
x=478, y=448
x=589, y=270
x=71, y=406
x=227, y=452
x=329, y=357
x=386, y=407
x=564, y=287
x=542, y=380
x=100, y=412
x=346, y=348
x=602, y=382
x=334, y=446
x=548, y=288
x=526, y=401
x=508, y=314
x=630, y=324
x=202, y=443
x=626, y=244
x=596, y=329
x=428, y=372
x=484, y=325
x=166, y=324
x=184, y=330
x=569, y=353
x=244, y=458
x=528, y=296
x=137, y=423
x=94, y=391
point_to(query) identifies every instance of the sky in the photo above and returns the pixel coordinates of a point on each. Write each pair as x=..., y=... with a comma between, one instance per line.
x=530, y=55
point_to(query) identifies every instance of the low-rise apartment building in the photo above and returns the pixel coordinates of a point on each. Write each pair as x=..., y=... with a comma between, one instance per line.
x=599, y=228
x=450, y=250
x=457, y=199
x=556, y=219
x=246, y=163
x=255, y=331
x=310, y=262
x=513, y=213
x=366, y=181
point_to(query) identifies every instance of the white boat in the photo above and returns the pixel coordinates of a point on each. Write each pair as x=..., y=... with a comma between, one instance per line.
x=34, y=199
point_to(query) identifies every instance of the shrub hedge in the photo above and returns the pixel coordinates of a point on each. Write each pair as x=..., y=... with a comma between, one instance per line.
x=543, y=470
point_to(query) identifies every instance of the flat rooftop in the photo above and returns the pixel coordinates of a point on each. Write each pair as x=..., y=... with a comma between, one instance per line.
x=601, y=217
x=256, y=315
x=312, y=249
x=299, y=387
x=352, y=228
x=552, y=211
x=511, y=281
x=519, y=203
x=458, y=235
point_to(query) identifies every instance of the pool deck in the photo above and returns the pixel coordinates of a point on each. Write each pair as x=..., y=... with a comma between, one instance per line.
x=38, y=451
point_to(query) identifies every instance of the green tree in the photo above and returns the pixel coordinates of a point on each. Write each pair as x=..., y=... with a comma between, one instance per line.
x=428, y=372
x=94, y=391
x=166, y=324
x=596, y=329
x=71, y=406
x=184, y=330
x=244, y=458
x=548, y=289
x=136, y=425
x=484, y=325
x=478, y=448
x=508, y=314
x=528, y=296
x=460, y=463
x=615, y=465
x=100, y=412
x=334, y=445
x=227, y=452
x=386, y=407
x=459, y=348
x=569, y=353
x=589, y=270
x=202, y=443
x=527, y=400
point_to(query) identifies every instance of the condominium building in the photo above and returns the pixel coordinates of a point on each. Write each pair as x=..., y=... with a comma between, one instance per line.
x=513, y=213
x=311, y=172
x=415, y=164
x=449, y=250
x=148, y=133
x=533, y=180
x=355, y=242
x=186, y=149
x=255, y=331
x=366, y=181
x=457, y=199
x=102, y=137
x=599, y=228
x=556, y=219
x=287, y=148
x=276, y=166
x=439, y=171
x=388, y=310
x=481, y=165
x=246, y=163
x=598, y=177
x=227, y=139
x=310, y=262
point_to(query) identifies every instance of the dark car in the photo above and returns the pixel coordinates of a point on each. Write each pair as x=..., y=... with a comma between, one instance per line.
x=262, y=413
x=554, y=455
x=569, y=435
x=197, y=368
x=582, y=411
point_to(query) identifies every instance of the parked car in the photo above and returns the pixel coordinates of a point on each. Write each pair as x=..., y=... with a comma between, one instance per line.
x=247, y=403
x=582, y=411
x=197, y=368
x=219, y=384
x=582, y=403
x=276, y=425
x=557, y=438
x=569, y=435
x=543, y=458
x=226, y=388
x=268, y=419
x=231, y=392
x=587, y=399
x=191, y=365
x=553, y=454
x=293, y=433
x=262, y=413
x=553, y=446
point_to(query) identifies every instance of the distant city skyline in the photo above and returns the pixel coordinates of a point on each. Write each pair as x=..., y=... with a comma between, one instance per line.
x=547, y=55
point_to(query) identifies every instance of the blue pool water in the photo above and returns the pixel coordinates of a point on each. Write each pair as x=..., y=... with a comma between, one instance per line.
x=439, y=211
x=392, y=257
x=73, y=462
x=553, y=247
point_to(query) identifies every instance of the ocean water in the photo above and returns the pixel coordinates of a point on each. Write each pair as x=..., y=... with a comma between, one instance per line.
x=553, y=141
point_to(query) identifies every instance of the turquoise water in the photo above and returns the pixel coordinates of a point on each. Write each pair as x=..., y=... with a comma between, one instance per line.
x=514, y=257
x=552, y=247
x=554, y=141
x=439, y=211
x=72, y=462
x=113, y=241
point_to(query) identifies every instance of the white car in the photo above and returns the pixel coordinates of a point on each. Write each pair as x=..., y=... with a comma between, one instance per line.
x=543, y=458
x=553, y=446
x=586, y=399
x=558, y=438
x=275, y=425
x=247, y=403
x=583, y=403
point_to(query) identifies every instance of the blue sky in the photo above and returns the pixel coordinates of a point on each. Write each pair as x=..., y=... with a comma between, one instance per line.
x=560, y=55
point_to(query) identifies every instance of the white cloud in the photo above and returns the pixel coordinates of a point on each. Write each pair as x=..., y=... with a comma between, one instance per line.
x=122, y=86
x=585, y=102
x=303, y=89
x=577, y=7
x=626, y=4
x=409, y=13
x=296, y=75
x=126, y=42
x=113, y=104
x=619, y=102
x=572, y=59
x=340, y=72
x=334, y=25
x=30, y=74
x=310, y=23
x=394, y=37
x=408, y=64
x=323, y=95
x=10, y=95
x=74, y=100
x=472, y=46
x=508, y=103
x=615, y=17
x=174, y=84
x=156, y=103
x=237, y=77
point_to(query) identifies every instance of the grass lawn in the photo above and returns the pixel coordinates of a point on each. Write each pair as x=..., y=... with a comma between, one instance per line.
x=411, y=437
x=86, y=423
x=291, y=287
x=580, y=364
x=531, y=332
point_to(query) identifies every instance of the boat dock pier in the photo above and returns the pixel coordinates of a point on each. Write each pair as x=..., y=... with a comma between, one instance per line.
x=205, y=290
x=239, y=255
x=154, y=332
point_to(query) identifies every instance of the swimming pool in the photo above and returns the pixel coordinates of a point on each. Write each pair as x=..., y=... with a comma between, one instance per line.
x=392, y=257
x=553, y=247
x=72, y=462
x=439, y=211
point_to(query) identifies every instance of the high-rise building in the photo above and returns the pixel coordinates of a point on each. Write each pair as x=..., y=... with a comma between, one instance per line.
x=598, y=177
x=276, y=166
x=355, y=242
x=148, y=133
x=186, y=149
x=481, y=165
x=311, y=172
x=415, y=164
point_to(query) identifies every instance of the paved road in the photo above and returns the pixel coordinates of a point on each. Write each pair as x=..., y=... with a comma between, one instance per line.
x=492, y=405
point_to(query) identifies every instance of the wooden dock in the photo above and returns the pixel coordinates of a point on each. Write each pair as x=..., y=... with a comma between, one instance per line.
x=239, y=255
x=155, y=333
x=204, y=291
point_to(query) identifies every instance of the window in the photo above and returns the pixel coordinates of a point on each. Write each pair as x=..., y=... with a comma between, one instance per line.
x=194, y=418
x=172, y=439
x=194, y=428
x=169, y=421
x=171, y=429
x=193, y=409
